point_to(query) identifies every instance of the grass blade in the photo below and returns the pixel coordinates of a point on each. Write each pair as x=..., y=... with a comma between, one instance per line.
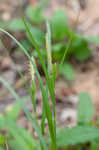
x=48, y=47
x=7, y=146
x=19, y=72
x=70, y=40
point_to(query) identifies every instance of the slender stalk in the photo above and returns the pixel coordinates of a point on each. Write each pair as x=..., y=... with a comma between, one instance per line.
x=48, y=48
x=70, y=40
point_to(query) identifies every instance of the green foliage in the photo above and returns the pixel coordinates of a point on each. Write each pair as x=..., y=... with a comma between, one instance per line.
x=3, y=24
x=82, y=54
x=58, y=51
x=67, y=71
x=16, y=25
x=59, y=25
x=27, y=44
x=36, y=14
x=92, y=39
x=23, y=139
x=1, y=148
x=13, y=113
x=80, y=48
x=49, y=80
x=86, y=108
x=38, y=35
x=28, y=114
x=2, y=140
x=94, y=146
x=76, y=135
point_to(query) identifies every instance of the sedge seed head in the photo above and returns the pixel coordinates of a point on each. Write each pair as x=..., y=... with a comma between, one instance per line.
x=31, y=68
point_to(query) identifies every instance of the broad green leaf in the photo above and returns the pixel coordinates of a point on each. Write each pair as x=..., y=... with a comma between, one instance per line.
x=82, y=54
x=76, y=135
x=92, y=39
x=85, y=108
x=15, y=146
x=16, y=25
x=35, y=14
x=79, y=48
x=38, y=36
x=13, y=113
x=1, y=148
x=67, y=71
x=58, y=51
x=59, y=25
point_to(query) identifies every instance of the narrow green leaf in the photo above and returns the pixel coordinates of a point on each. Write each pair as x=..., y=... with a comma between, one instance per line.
x=27, y=45
x=38, y=35
x=48, y=47
x=33, y=92
x=43, y=120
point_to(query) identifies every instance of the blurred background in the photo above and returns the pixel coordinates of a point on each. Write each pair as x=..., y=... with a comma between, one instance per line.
x=81, y=69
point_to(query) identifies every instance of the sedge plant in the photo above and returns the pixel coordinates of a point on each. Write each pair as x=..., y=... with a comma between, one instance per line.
x=50, y=74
